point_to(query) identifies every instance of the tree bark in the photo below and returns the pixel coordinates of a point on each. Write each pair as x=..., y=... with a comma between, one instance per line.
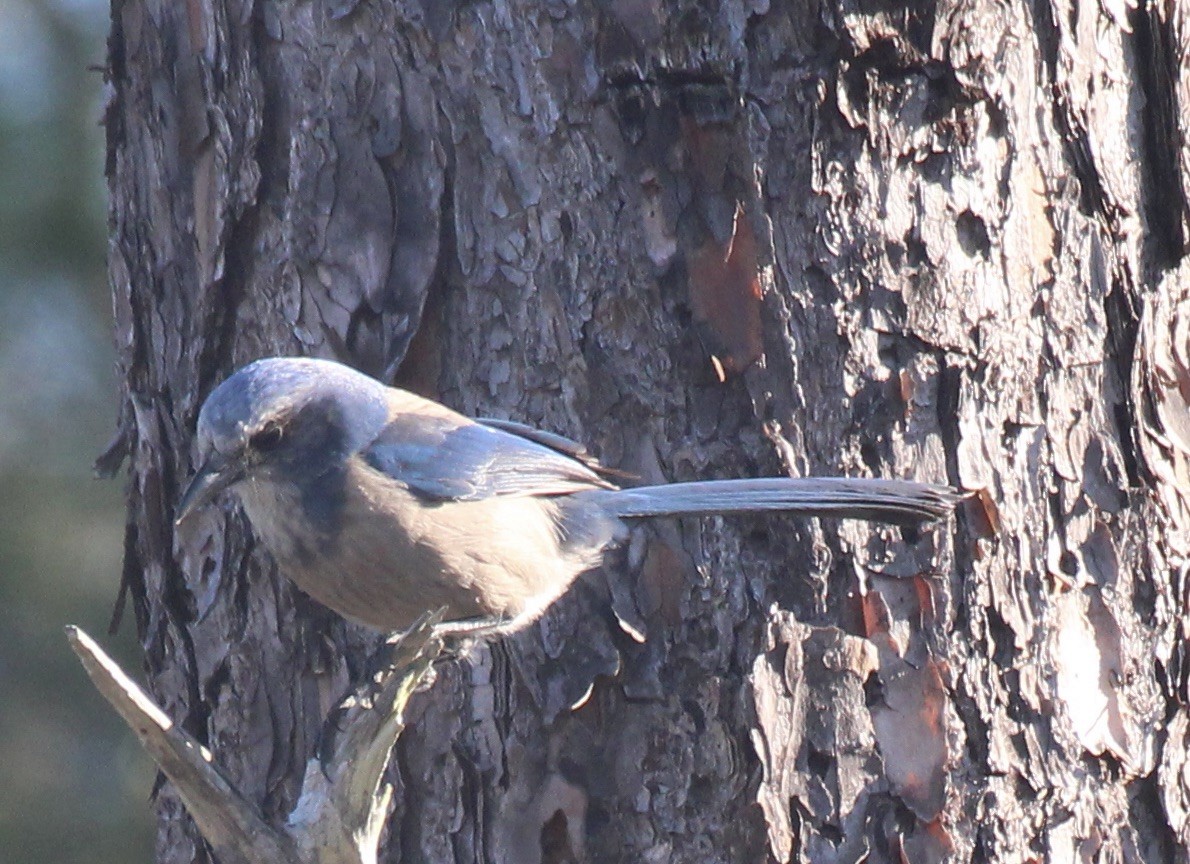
x=709, y=239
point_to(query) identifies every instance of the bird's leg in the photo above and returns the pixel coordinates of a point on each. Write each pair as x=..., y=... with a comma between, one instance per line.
x=473, y=627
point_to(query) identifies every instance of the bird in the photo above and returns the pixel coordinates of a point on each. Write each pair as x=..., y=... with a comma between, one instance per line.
x=384, y=505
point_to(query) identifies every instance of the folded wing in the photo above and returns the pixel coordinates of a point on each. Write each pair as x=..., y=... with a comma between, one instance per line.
x=448, y=457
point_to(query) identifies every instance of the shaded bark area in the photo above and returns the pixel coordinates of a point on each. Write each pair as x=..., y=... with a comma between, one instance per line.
x=710, y=240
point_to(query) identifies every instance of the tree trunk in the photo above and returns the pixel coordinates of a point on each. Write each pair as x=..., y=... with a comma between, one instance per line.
x=710, y=240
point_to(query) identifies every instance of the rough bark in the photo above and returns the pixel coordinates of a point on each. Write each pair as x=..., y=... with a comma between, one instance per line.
x=709, y=239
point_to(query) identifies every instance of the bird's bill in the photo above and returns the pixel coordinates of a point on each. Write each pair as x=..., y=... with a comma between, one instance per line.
x=215, y=475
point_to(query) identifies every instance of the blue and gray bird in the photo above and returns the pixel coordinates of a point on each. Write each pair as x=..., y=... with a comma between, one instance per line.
x=383, y=505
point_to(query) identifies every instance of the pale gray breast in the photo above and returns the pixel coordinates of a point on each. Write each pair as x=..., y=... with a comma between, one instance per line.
x=326, y=562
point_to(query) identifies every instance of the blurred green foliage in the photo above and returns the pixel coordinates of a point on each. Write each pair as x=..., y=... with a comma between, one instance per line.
x=74, y=786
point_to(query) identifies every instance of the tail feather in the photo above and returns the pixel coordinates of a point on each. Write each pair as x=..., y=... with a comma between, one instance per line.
x=896, y=501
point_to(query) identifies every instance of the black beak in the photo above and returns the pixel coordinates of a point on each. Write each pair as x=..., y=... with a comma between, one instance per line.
x=215, y=475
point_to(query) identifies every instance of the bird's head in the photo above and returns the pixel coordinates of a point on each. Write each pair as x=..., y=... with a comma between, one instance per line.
x=279, y=418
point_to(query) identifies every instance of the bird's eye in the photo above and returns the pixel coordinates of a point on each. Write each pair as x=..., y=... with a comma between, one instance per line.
x=267, y=438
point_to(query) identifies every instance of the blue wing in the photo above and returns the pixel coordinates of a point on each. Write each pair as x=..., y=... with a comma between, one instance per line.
x=452, y=458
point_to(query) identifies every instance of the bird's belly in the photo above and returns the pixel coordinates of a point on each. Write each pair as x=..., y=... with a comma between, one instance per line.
x=390, y=557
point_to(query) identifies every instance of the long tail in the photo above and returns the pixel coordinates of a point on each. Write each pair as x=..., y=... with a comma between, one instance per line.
x=897, y=501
